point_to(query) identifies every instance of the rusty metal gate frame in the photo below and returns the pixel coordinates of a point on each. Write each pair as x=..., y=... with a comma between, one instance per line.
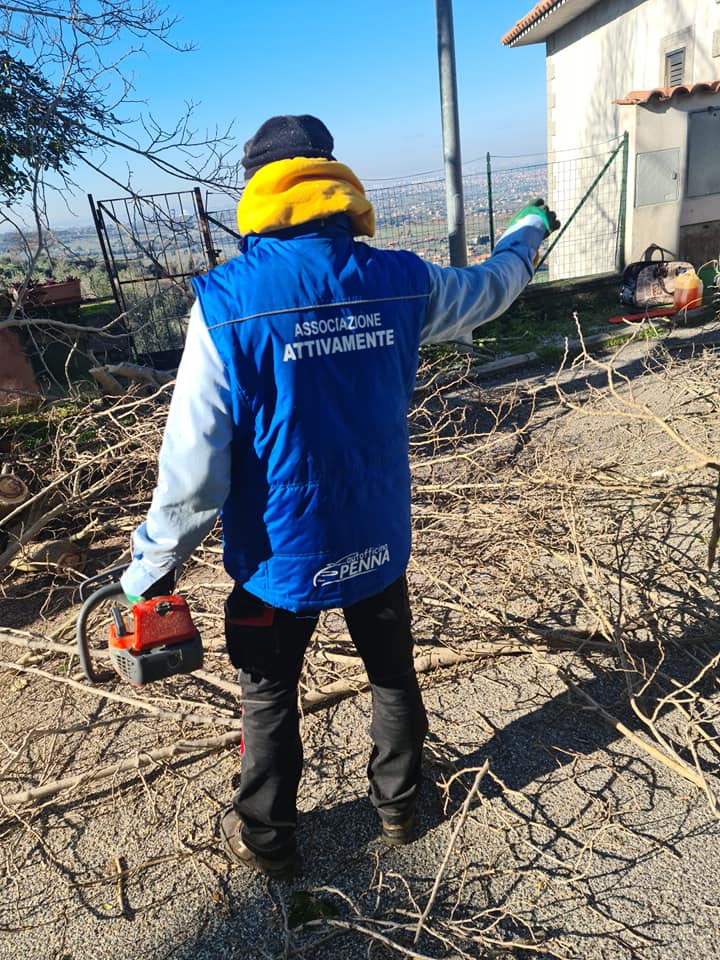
x=152, y=247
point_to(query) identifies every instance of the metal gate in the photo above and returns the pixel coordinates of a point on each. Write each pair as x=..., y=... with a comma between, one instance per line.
x=152, y=246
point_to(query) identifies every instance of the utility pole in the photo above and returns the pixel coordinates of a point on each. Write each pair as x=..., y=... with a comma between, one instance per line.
x=451, y=133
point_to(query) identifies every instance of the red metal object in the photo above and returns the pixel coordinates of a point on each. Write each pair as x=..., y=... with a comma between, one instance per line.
x=161, y=642
x=162, y=620
x=152, y=640
x=638, y=317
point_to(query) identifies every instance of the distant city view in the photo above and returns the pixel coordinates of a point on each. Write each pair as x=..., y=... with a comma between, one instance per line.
x=410, y=214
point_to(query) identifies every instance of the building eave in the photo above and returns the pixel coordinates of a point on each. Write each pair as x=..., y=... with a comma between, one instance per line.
x=546, y=18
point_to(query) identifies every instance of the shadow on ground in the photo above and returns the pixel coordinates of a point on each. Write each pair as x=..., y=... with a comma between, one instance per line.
x=542, y=750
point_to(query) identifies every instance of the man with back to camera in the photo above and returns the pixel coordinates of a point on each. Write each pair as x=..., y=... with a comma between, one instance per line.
x=289, y=415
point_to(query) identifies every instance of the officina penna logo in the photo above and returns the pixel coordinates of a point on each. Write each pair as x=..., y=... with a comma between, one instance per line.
x=353, y=565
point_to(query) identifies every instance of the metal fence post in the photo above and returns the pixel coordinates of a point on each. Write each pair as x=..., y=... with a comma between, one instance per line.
x=491, y=215
x=109, y=265
x=210, y=251
x=622, y=215
x=451, y=134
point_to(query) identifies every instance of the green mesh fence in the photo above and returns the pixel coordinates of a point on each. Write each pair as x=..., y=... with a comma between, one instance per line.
x=157, y=243
x=585, y=187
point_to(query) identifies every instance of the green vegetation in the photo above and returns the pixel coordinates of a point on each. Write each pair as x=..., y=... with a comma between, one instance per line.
x=58, y=264
x=37, y=429
x=32, y=430
x=646, y=333
x=541, y=320
x=43, y=125
x=98, y=313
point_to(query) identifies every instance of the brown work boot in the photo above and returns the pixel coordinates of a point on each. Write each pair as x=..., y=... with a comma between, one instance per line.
x=398, y=834
x=280, y=868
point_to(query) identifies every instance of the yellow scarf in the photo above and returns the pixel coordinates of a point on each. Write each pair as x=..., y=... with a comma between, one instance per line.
x=289, y=192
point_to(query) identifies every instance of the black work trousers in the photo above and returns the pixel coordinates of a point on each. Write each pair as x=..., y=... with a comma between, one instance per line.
x=268, y=645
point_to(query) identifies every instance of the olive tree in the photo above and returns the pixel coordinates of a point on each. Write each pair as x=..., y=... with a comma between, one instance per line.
x=68, y=105
x=66, y=95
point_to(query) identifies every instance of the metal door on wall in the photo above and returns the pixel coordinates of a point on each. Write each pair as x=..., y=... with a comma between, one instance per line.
x=703, y=169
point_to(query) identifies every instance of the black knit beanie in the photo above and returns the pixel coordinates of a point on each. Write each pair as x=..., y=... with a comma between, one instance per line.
x=281, y=138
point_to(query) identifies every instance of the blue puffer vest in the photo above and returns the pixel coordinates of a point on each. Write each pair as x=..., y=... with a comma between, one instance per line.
x=319, y=335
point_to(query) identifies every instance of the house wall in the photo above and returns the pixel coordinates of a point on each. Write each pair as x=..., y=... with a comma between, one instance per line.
x=617, y=46
x=614, y=47
x=689, y=225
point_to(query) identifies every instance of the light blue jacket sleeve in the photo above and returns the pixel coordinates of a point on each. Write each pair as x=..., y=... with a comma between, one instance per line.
x=462, y=298
x=193, y=467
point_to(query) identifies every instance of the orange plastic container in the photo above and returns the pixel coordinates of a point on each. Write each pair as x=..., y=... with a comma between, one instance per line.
x=688, y=290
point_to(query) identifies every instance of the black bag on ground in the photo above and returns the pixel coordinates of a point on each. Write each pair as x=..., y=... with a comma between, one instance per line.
x=650, y=282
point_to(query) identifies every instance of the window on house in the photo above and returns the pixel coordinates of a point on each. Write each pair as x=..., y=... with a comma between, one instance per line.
x=675, y=67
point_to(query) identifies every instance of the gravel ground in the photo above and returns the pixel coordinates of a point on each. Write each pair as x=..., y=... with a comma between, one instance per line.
x=574, y=838
x=577, y=843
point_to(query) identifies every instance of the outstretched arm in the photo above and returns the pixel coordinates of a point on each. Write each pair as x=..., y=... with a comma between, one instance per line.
x=462, y=298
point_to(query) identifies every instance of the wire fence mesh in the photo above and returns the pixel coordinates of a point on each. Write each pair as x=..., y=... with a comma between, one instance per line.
x=585, y=187
x=155, y=244
x=222, y=223
x=411, y=213
x=588, y=190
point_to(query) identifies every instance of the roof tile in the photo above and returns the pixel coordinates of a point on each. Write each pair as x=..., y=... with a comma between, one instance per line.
x=661, y=94
x=538, y=11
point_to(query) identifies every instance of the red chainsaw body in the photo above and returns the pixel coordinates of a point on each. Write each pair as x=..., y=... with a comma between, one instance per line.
x=157, y=622
x=161, y=640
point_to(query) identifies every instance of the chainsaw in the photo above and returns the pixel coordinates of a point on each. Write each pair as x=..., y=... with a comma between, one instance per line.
x=146, y=641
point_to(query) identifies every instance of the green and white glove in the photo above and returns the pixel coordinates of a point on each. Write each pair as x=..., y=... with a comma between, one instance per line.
x=161, y=587
x=538, y=208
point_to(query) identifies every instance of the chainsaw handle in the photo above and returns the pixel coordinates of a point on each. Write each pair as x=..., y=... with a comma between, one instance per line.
x=111, y=591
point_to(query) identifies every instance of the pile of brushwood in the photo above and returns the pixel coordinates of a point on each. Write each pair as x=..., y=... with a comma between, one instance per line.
x=581, y=517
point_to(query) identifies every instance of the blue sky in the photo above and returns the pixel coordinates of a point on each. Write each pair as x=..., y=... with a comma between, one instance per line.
x=368, y=70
